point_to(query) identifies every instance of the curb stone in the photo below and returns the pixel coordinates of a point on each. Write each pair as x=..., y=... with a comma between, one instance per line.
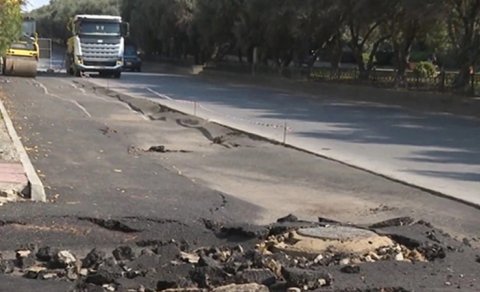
x=37, y=191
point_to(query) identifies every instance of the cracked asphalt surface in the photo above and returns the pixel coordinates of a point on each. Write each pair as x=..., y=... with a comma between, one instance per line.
x=88, y=174
x=103, y=191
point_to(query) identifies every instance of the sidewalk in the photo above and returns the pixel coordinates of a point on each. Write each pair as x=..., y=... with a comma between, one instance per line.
x=13, y=180
x=18, y=177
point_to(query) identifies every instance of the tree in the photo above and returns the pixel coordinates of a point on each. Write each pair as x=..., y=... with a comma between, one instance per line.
x=411, y=19
x=10, y=22
x=464, y=32
x=214, y=22
x=52, y=19
x=365, y=21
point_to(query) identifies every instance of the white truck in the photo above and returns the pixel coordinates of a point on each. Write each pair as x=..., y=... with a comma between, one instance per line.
x=96, y=45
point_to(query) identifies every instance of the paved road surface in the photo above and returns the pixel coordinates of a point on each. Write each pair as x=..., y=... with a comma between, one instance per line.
x=437, y=152
x=104, y=191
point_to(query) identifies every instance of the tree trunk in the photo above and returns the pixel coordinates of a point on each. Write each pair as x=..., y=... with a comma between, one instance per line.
x=462, y=81
x=403, y=58
x=336, y=56
x=240, y=56
x=363, y=72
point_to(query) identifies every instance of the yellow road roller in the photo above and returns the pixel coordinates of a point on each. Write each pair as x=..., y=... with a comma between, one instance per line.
x=21, y=58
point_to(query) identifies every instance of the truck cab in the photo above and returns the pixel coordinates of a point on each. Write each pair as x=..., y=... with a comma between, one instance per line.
x=96, y=45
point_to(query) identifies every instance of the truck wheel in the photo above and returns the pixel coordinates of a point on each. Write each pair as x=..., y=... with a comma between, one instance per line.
x=76, y=72
x=117, y=74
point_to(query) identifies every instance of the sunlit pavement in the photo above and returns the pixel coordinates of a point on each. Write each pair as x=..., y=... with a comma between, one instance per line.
x=436, y=152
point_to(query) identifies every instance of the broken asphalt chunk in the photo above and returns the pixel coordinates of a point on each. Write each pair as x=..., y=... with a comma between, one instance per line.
x=310, y=279
x=259, y=276
x=252, y=287
x=45, y=254
x=6, y=266
x=433, y=252
x=123, y=253
x=93, y=259
x=288, y=218
x=401, y=221
x=102, y=276
x=62, y=259
x=244, y=231
x=350, y=269
x=24, y=259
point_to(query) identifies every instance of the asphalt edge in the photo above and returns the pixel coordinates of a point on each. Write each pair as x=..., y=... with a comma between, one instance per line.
x=37, y=190
x=287, y=145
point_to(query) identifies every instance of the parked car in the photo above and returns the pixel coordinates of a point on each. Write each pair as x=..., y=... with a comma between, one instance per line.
x=132, y=60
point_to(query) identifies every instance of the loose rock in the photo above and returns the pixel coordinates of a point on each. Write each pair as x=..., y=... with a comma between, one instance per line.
x=123, y=253
x=93, y=259
x=306, y=278
x=24, y=259
x=433, y=252
x=189, y=257
x=6, y=266
x=163, y=285
x=101, y=277
x=253, y=287
x=350, y=269
x=45, y=254
x=259, y=276
x=45, y=275
x=33, y=272
x=62, y=259
x=399, y=257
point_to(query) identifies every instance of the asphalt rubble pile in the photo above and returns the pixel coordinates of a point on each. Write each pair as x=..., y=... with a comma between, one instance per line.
x=252, y=258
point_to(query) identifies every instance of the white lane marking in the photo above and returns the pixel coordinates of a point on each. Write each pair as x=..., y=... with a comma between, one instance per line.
x=75, y=86
x=111, y=100
x=78, y=105
x=81, y=107
x=45, y=89
x=159, y=94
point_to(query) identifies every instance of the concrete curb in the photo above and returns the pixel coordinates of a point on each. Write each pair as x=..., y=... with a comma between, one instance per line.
x=37, y=191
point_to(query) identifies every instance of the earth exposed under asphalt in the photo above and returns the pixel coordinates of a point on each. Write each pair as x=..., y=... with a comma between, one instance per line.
x=126, y=172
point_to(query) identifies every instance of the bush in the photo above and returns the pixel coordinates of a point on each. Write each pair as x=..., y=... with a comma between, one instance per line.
x=425, y=70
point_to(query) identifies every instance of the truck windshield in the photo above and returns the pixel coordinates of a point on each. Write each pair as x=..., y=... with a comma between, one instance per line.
x=109, y=28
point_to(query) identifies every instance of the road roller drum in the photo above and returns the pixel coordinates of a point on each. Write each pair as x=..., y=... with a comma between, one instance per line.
x=20, y=66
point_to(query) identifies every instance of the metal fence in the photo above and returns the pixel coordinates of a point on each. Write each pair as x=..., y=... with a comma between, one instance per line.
x=443, y=81
x=45, y=59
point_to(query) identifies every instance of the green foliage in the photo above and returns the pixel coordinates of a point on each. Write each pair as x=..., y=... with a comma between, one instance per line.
x=425, y=70
x=419, y=56
x=286, y=32
x=10, y=22
x=52, y=19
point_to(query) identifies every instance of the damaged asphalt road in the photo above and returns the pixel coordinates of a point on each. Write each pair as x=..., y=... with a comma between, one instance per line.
x=415, y=257
x=174, y=189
